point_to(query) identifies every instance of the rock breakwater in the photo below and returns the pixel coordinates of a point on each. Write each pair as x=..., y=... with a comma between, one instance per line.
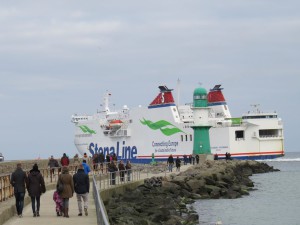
x=167, y=200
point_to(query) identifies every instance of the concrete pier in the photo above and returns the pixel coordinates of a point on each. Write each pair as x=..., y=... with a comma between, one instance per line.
x=48, y=213
x=47, y=209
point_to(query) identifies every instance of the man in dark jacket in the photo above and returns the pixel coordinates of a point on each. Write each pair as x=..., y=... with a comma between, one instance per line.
x=52, y=164
x=18, y=180
x=82, y=189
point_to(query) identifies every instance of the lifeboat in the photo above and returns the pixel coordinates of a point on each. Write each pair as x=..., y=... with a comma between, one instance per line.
x=115, y=124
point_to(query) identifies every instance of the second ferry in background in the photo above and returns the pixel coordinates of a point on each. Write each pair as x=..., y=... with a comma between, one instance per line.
x=164, y=128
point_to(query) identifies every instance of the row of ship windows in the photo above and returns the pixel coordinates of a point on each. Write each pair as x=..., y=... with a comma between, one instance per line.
x=259, y=117
x=81, y=118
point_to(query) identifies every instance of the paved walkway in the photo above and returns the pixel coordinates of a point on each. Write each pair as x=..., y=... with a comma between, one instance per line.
x=48, y=214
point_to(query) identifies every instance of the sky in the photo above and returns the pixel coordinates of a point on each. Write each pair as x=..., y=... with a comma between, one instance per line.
x=58, y=58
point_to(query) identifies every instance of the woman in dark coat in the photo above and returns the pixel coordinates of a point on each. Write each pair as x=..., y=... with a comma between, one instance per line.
x=35, y=187
x=68, y=189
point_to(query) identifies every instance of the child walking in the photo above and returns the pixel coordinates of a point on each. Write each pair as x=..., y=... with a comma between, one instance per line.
x=58, y=203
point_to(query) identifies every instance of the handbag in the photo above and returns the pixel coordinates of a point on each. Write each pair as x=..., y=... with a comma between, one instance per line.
x=60, y=186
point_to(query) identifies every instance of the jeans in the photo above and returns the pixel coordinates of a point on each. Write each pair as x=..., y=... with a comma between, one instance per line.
x=37, y=209
x=19, y=202
x=128, y=175
x=170, y=167
x=112, y=178
x=85, y=198
x=65, y=203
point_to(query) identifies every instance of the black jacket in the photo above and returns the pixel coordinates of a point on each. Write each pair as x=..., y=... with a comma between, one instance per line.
x=81, y=182
x=18, y=180
x=36, y=184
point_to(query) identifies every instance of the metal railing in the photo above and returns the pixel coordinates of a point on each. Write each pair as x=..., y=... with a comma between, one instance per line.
x=102, y=218
x=6, y=189
x=112, y=179
x=49, y=175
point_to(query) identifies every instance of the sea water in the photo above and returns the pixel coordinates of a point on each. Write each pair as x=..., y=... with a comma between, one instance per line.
x=275, y=200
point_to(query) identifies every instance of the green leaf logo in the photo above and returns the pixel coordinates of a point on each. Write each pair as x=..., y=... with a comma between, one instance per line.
x=86, y=129
x=164, y=126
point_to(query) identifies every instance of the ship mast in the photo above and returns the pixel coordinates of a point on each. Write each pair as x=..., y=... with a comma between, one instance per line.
x=106, y=101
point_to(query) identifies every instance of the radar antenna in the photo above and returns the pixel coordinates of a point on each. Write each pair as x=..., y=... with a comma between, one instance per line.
x=255, y=108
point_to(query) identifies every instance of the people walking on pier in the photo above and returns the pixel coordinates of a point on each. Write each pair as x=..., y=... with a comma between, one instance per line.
x=193, y=159
x=95, y=161
x=170, y=163
x=58, y=203
x=82, y=189
x=86, y=167
x=216, y=157
x=227, y=156
x=76, y=161
x=107, y=157
x=197, y=159
x=112, y=169
x=85, y=157
x=36, y=186
x=184, y=159
x=68, y=189
x=19, y=180
x=101, y=160
x=64, y=160
x=52, y=164
x=178, y=162
x=121, y=168
x=114, y=157
x=128, y=170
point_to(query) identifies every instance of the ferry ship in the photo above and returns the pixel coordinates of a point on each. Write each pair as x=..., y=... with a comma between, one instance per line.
x=163, y=128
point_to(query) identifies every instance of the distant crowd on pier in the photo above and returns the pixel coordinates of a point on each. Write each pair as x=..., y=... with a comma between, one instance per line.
x=186, y=159
x=67, y=184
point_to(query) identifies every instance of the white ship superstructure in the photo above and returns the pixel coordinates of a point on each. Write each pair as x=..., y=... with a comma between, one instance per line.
x=164, y=128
